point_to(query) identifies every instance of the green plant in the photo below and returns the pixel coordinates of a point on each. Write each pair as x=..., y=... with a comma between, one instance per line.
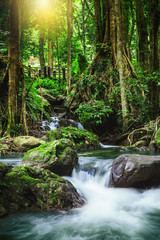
x=93, y=112
x=35, y=106
x=55, y=87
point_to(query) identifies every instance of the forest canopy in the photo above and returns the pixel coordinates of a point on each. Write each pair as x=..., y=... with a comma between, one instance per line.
x=101, y=56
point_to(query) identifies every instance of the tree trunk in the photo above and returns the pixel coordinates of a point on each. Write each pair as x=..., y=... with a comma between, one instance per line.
x=114, y=49
x=41, y=48
x=14, y=69
x=70, y=32
x=23, y=110
x=57, y=47
x=50, y=49
x=98, y=24
x=121, y=61
x=83, y=29
x=142, y=34
x=154, y=28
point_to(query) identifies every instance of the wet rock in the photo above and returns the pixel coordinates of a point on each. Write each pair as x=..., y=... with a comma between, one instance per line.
x=4, y=169
x=59, y=156
x=35, y=188
x=26, y=143
x=134, y=170
x=83, y=139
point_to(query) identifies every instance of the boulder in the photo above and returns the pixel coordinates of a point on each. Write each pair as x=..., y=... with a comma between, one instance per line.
x=58, y=156
x=55, y=100
x=63, y=122
x=25, y=143
x=34, y=188
x=4, y=169
x=134, y=170
x=83, y=139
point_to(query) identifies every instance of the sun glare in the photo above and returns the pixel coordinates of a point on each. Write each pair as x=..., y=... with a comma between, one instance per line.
x=43, y=3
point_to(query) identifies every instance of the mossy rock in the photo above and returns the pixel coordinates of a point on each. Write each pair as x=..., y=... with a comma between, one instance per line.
x=83, y=139
x=59, y=156
x=4, y=169
x=25, y=143
x=35, y=188
x=157, y=138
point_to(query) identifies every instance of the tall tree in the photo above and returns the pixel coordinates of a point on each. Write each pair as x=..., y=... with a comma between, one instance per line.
x=143, y=44
x=50, y=48
x=154, y=30
x=41, y=47
x=70, y=33
x=14, y=59
x=98, y=24
x=114, y=48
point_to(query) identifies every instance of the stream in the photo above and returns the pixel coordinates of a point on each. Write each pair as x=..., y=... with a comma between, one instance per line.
x=109, y=214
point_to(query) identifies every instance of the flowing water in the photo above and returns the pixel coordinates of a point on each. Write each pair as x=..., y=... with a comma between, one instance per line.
x=109, y=214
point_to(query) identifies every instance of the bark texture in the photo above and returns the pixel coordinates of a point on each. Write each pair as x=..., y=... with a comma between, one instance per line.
x=70, y=32
x=143, y=43
x=41, y=47
x=154, y=29
x=14, y=59
x=50, y=49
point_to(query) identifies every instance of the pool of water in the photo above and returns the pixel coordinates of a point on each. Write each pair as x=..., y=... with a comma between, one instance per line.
x=12, y=160
x=109, y=214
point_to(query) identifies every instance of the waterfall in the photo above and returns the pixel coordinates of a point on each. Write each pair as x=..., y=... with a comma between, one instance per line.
x=57, y=122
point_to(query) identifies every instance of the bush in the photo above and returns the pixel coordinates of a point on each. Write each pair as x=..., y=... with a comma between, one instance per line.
x=93, y=112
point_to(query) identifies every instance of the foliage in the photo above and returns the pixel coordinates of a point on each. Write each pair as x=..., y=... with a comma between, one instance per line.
x=83, y=139
x=36, y=105
x=55, y=87
x=93, y=112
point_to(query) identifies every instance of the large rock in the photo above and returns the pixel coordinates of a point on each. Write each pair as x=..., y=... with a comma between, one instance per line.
x=26, y=143
x=83, y=139
x=33, y=188
x=58, y=156
x=134, y=170
x=56, y=100
x=4, y=169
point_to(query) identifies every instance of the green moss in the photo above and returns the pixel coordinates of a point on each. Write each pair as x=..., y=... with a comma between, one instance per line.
x=47, y=151
x=83, y=139
x=21, y=177
x=157, y=137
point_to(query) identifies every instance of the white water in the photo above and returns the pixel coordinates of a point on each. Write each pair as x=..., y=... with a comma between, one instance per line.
x=15, y=161
x=108, y=146
x=109, y=214
x=54, y=124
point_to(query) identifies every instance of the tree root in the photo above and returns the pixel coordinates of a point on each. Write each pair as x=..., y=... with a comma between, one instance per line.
x=151, y=129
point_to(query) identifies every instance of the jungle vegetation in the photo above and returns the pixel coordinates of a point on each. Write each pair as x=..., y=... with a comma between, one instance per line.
x=109, y=53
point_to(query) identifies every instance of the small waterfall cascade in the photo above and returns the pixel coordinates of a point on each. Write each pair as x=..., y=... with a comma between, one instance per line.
x=109, y=213
x=107, y=146
x=57, y=122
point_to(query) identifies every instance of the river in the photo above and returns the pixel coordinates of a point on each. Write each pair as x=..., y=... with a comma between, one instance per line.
x=109, y=214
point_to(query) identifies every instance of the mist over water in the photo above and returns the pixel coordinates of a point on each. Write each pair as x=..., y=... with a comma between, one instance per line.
x=109, y=214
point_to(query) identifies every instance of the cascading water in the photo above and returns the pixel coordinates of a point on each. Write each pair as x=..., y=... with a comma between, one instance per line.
x=56, y=122
x=109, y=214
x=52, y=125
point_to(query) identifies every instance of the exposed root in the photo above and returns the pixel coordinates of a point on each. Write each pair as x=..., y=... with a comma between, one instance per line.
x=149, y=129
